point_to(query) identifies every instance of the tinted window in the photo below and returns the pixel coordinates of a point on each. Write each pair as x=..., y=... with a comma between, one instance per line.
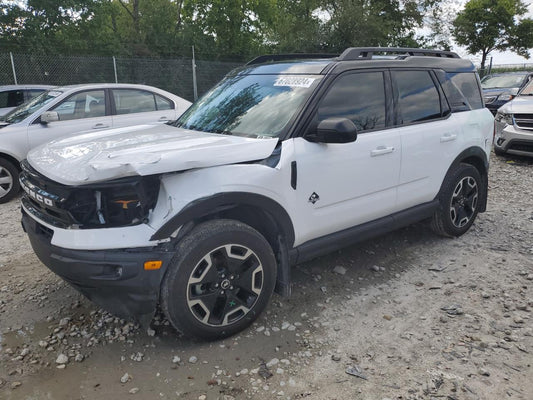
x=466, y=83
x=417, y=95
x=11, y=98
x=162, y=103
x=88, y=104
x=128, y=101
x=359, y=97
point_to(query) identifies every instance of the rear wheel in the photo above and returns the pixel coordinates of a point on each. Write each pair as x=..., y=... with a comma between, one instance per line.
x=220, y=280
x=459, y=201
x=9, y=182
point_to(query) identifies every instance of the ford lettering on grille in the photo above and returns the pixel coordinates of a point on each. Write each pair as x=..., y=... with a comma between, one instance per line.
x=37, y=194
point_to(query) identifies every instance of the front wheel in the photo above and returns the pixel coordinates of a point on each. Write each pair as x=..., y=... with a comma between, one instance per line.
x=459, y=201
x=220, y=280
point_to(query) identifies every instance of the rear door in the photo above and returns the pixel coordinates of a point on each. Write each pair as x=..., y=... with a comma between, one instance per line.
x=430, y=138
x=135, y=106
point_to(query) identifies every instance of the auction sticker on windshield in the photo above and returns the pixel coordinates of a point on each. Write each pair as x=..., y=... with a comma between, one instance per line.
x=294, y=81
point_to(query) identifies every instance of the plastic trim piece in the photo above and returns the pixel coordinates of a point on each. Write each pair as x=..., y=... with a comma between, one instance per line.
x=224, y=201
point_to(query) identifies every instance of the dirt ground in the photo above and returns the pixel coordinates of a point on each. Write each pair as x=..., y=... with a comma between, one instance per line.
x=409, y=315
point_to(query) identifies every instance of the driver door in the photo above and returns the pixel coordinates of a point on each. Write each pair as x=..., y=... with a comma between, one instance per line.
x=347, y=184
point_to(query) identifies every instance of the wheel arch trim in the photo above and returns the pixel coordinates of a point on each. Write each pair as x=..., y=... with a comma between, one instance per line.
x=206, y=206
x=467, y=156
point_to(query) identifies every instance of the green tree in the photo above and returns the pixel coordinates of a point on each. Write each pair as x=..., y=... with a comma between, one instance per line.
x=373, y=23
x=487, y=25
x=296, y=27
x=235, y=27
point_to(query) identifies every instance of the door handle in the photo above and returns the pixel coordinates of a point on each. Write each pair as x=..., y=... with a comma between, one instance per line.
x=380, y=150
x=163, y=119
x=100, y=126
x=448, y=137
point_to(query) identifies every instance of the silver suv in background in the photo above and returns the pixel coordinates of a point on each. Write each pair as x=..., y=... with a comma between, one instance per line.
x=498, y=89
x=514, y=125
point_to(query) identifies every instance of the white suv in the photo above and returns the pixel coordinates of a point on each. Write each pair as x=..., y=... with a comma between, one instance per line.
x=282, y=161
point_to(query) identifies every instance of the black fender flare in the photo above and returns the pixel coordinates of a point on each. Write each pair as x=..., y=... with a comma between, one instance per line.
x=477, y=157
x=224, y=201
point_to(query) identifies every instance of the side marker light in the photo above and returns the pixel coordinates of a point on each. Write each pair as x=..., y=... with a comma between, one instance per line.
x=152, y=265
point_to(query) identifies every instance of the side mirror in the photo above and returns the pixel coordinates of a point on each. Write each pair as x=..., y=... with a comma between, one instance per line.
x=334, y=130
x=49, y=116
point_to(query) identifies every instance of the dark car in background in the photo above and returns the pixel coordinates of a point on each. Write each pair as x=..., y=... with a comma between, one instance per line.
x=498, y=89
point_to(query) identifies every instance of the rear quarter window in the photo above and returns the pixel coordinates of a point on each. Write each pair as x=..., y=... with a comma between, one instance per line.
x=463, y=91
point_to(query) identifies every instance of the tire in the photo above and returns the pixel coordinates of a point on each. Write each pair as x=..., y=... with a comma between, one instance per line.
x=9, y=181
x=220, y=280
x=459, y=201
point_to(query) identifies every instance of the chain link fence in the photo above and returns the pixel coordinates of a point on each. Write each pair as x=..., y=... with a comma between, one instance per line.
x=175, y=75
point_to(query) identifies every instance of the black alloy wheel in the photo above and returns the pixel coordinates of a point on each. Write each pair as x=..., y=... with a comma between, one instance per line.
x=220, y=280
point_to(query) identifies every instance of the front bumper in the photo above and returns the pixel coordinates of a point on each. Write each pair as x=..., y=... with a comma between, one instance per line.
x=513, y=140
x=113, y=279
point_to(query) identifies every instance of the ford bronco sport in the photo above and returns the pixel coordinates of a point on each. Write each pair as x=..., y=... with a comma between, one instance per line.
x=287, y=158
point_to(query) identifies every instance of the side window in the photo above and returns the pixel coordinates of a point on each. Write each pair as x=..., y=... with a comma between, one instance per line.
x=418, y=97
x=87, y=104
x=359, y=97
x=11, y=98
x=162, y=103
x=128, y=101
x=466, y=83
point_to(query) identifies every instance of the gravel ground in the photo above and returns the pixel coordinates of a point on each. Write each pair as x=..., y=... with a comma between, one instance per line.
x=408, y=315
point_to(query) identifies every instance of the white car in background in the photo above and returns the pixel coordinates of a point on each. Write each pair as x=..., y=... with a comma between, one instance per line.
x=12, y=96
x=69, y=110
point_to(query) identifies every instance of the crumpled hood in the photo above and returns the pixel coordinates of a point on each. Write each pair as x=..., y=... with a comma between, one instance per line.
x=141, y=150
x=519, y=105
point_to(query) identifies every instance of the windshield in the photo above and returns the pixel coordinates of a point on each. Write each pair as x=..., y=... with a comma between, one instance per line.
x=21, y=112
x=503, y=81
x=250, y=105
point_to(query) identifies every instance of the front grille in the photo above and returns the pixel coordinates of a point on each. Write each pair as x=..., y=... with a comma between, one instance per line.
x=122, y=202
x=522, y=146
x=44, y=198
x=524, y=121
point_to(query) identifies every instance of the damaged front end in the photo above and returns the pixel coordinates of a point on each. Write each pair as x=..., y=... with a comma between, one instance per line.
x=117, y=203
x=123, y=281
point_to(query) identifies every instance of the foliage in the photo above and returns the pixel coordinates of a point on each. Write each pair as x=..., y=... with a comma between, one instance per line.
x=487, y=25
x=216, y=28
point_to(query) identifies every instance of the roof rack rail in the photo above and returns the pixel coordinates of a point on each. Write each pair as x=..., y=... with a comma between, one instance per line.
x=283, y=57
x=366, y=53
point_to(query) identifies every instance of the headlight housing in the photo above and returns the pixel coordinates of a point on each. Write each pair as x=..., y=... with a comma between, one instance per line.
x=504, y=118
x=505, y=97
